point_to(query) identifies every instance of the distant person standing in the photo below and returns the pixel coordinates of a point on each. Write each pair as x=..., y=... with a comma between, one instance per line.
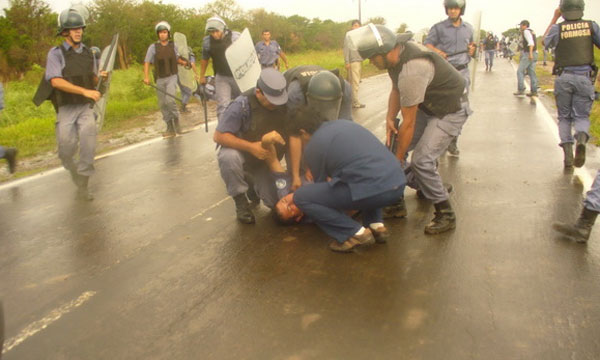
x=452, y=39
x=213, y=47
x=527, y=60
x=489, y=45
x=353, y=64
x=574, y=39
x=269, y=52
x=10, y=154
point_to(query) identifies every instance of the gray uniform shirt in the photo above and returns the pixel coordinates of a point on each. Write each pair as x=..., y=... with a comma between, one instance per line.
x=413, y=80
x=451, y=39
x=267, y=54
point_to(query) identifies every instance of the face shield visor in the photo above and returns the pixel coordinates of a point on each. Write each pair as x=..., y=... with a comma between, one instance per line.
x=329, y=109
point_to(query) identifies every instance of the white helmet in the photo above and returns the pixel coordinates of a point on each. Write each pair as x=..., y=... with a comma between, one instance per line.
x=163, y=25
x=215, y=23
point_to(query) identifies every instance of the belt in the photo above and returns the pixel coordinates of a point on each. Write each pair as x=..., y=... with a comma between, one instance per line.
x=582, y=73
x=460, y=67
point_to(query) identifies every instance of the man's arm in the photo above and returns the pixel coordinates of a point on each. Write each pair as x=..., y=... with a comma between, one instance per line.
x=284, y=58
x=231, y=141
x=268, y=142
x=147, y=73
x=392, y=113
x=203, y=66
x=64, y=85
x=295, y=148
x=406, y=130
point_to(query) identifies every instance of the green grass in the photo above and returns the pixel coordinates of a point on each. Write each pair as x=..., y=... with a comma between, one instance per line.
x=332, y=59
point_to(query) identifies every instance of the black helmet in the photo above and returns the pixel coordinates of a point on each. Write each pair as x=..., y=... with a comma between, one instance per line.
x=461, y=4
x=324, y=94
x=371, y=40
x=572, y=9
x=70, y=19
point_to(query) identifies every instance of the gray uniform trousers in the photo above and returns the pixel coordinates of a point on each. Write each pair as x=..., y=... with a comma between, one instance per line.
x=574, y=96
x=167, y=104
x=431, y=138
x=75, y=125
x=2, y=151
x=186, y=93
x=592, y=198
x=231, y=166
x=226, y=89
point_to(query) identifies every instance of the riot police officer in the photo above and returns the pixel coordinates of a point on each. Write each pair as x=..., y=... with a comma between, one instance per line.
x=433, y=105
x=574, y=39
x=213, y=47
x=452, y=39
x=321, y=90
x=69, y=82
x=241, y=127
x=165, y=57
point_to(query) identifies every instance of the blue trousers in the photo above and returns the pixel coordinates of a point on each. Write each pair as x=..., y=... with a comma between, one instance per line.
x=527, y=67
x=489, y=57
x=574, y=96
x=2, y=151
x=592, y=198
x=326, y=205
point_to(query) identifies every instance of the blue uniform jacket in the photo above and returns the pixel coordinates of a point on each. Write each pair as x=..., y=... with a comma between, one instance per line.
x=347, y=152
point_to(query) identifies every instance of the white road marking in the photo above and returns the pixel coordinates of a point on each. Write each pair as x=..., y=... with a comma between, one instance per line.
x=582, y=173
x=40, y=325
x=210, y=207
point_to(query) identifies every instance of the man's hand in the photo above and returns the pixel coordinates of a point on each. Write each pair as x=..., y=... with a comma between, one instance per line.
x=104, y=75
x=271, y=138
x=92, y=94
x=296, y=183
x=202, y=80
x=472, y=48
x=146, y=81
x=390, y=130
x=530, y=56
x=258, y=151
x=442, y=54
x=347, y=66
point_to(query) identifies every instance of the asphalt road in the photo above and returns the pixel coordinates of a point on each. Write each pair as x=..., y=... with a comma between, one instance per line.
x=157, y=267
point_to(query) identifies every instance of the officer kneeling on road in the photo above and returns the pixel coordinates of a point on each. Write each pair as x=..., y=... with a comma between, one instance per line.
x=251, y=115
x=574, y=40
x=352, y=170
x=321, y=90
x=431, y=95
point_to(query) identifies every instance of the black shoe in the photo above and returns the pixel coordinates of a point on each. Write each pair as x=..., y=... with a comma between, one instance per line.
x=443, y=220
x=448, y=187
x=568, y=155
x=242, y=209
x=176, y=126
x=170, y=130
x=580, y=232
x=397, y=210
x=10, y=154
x=519, y=93
x=453, y=148
x=533, y=93
x=253, y=197
x=581, y=139
x=83, y=193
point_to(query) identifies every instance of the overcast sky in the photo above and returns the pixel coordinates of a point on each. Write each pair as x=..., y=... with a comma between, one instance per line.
x=497, y=15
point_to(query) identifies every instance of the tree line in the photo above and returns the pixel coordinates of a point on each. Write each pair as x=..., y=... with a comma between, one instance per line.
x=28, y=29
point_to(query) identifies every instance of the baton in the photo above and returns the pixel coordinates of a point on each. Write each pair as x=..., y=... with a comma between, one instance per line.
x=394, y=140
x=166, y=93
x=113, y=42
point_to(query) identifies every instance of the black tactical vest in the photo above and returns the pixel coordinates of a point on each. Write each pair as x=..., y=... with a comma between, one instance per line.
x=217, y=52
x=443, y=94
x=304, y=73
x=575, y=46
x=165, y=60
x=263, y=121
x=79, y=70
x=524, y=45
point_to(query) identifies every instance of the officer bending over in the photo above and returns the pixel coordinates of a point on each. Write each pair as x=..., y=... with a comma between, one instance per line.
x=246, y=120
x=430, y=94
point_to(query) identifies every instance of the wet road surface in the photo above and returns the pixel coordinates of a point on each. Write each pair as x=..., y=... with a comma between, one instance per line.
x=158, y=268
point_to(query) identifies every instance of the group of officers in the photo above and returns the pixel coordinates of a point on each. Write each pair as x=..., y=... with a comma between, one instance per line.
x=337, y=171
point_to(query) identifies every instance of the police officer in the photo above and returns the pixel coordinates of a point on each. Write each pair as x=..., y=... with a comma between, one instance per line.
x=489, y=45
x=452, y=39
x=165, y=57
x=574, y=39
x=213, y=47
x=239, y=132
x=430, y=93
x=269, y=52
x=69, y=82
x=10, y=154
x=527, y=60
x=322, y=90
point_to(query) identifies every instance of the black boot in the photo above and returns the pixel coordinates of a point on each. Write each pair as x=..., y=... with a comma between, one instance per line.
x=397, y=210
x=242, y=209
x=581, y=139
x=83, y=193
x=170, y=129
x=568, y=151
x=579, y=232
x=444, y=219
x=176, y=126
x=10, y=154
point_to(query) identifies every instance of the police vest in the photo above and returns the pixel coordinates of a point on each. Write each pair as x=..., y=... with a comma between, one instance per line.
x=304, y=73
x=443, y=94
x=575, y=46
x=217, y=52
x=79, y=70
x=490, y=44
x=524, y=45
x=263, y=121
x=165, y=60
